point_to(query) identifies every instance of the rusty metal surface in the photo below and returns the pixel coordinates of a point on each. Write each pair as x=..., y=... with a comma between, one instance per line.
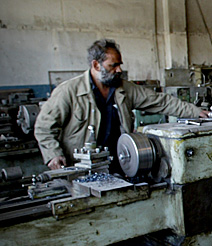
x=79, y=205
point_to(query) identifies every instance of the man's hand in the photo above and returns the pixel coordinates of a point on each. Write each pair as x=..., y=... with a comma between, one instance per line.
x=204, y=114
x=57, y=162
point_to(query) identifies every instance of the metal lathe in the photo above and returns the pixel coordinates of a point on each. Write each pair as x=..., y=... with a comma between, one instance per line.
x=165, y=195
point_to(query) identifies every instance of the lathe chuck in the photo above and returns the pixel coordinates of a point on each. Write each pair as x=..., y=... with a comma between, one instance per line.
x=135, y=152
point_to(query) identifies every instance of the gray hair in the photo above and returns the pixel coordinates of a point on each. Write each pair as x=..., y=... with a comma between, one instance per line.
x=99, y=48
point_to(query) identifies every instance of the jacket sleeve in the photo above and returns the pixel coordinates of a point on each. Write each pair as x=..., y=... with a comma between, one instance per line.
x=154, y=102
x=49, y=123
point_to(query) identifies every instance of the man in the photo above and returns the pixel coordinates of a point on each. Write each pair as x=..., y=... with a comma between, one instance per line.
x=101, y=98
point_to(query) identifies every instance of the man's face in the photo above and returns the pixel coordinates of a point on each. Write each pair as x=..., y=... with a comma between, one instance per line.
x=110, y=70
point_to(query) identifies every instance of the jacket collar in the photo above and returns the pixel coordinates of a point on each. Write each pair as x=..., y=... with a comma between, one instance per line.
x=120, y=93
x=85, y=87
x=84, y=84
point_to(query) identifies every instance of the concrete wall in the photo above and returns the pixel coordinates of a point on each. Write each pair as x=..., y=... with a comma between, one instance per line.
x=52, y=35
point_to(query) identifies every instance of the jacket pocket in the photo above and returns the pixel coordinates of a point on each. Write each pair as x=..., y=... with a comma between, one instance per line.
x=79, y=113
x=79, y=120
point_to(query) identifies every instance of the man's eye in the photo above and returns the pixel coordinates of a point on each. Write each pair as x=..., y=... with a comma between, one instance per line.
x=115, y=65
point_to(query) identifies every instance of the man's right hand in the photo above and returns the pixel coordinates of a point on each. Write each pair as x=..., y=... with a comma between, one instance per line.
x=57, y=162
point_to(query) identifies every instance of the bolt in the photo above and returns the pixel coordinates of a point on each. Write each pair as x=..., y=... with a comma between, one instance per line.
x=105, y=148
x=189, y=152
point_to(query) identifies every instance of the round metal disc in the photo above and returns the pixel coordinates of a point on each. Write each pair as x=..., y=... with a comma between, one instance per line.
x=135, y=153
x=27, y=115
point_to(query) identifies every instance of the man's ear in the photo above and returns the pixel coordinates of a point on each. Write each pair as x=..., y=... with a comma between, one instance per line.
x=96, y=65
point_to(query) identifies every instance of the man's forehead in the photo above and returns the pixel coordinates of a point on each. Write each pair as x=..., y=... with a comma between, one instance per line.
x=113, y=55
x=111, y=51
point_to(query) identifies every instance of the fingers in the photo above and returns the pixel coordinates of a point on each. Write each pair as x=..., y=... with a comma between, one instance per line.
x=204, y=114
x=62, y=161
x=57, y=162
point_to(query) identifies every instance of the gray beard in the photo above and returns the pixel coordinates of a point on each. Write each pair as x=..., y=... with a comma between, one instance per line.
x=108, y=79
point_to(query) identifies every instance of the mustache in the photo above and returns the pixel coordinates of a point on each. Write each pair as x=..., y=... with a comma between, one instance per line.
x=109, y=76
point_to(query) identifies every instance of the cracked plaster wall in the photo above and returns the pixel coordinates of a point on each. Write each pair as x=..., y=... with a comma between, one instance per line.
x=52, y=35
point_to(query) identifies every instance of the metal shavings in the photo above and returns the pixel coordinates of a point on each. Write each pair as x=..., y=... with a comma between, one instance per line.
x=95, y=177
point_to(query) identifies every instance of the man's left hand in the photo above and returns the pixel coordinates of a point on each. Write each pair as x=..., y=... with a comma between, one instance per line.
x=204, y=114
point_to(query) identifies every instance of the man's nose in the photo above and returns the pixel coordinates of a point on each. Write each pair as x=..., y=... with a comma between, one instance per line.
x=118, y=69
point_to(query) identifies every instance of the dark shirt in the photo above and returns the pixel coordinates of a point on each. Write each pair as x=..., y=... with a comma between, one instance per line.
x=109, y=131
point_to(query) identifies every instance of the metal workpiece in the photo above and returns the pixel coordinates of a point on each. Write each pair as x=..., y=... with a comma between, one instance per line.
x=135, y=152
x=142, y=156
